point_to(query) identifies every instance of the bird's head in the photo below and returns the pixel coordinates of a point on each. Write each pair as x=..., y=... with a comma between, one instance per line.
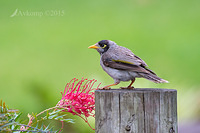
x=103, y=46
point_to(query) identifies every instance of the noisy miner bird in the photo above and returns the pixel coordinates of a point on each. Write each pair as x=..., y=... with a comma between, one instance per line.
x=123, y=65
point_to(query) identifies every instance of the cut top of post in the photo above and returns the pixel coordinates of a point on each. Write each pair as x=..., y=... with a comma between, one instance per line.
x=142, y=90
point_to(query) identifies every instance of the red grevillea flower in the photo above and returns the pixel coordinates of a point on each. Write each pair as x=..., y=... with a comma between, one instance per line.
x=78, y=99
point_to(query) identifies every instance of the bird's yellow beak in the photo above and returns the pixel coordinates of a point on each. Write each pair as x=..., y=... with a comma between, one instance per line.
x=94, y=46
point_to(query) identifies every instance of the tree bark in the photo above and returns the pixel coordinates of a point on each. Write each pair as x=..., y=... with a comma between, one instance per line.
x=136, y=111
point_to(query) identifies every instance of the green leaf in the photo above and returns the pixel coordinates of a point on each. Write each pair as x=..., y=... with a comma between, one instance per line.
x=55, y=112
x=46, y=129
x=53, y=116
x=17, y=116
x=59, y=117
x=41, y=127
x=36, y=125
x=47, y=114
x=68, y=120
x=35, y=116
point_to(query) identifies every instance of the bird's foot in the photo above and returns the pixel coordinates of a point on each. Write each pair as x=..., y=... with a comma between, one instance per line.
x=104, y=88
x=129, y=87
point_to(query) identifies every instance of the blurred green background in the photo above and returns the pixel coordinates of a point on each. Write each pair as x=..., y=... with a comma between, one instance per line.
x=44, y=44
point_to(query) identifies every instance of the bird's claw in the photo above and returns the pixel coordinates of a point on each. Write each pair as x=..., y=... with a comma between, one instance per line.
x=129, y=87
x=104, y=88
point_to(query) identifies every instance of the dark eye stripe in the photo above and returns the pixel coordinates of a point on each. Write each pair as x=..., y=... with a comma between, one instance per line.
x=104, y=44
x=101, y=44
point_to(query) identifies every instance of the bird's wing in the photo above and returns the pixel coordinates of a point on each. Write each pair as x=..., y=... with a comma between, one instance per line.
x=121, y=65
x=122, y=53
x=125, y=61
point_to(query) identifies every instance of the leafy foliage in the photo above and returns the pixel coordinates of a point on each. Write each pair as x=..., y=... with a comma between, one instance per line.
x=57, y=115
x=10, y=122
x=8, y=118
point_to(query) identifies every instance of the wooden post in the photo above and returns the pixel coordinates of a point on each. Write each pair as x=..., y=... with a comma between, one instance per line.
x=136, y=111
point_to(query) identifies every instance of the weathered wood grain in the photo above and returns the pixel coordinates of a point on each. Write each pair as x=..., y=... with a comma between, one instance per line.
x=136, y=111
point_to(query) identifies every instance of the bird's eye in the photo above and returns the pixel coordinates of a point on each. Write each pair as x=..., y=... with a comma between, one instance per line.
x=104, y=46
x=101, y=45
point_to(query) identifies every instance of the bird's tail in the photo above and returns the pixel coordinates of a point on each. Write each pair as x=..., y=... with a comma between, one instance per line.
x=153, y=78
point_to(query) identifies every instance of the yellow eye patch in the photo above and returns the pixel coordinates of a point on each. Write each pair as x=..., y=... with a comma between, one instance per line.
x=104, y=46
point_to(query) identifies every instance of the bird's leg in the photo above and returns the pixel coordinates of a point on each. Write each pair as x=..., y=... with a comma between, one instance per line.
x=108, y=86
x=130, y=86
